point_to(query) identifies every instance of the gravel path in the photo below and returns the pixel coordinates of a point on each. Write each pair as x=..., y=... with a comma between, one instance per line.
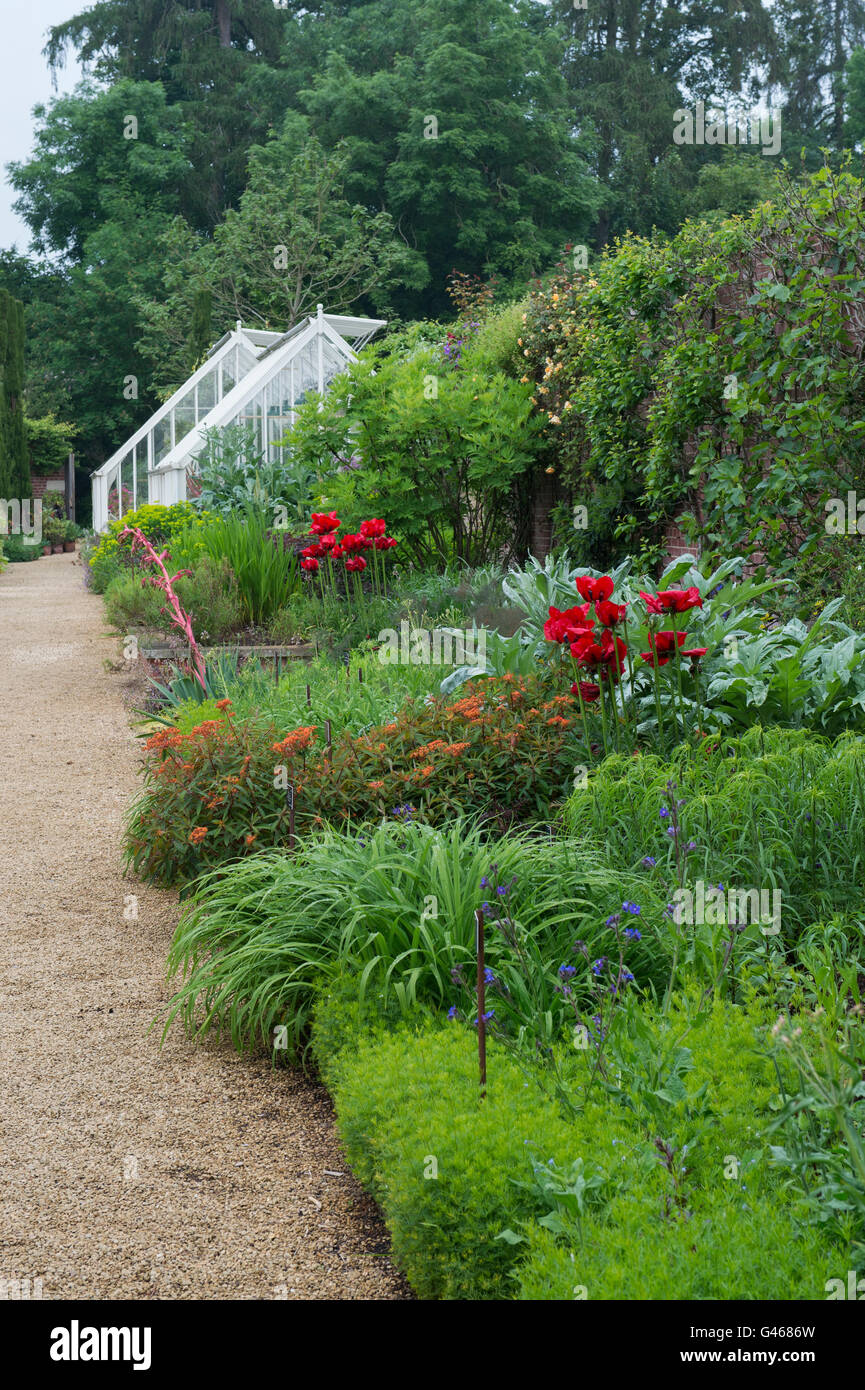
x=129, y=1171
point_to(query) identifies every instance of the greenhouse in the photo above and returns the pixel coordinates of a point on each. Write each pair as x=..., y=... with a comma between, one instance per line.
x=249, y=377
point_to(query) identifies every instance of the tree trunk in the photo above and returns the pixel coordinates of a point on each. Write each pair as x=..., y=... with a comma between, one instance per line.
x=223, y=21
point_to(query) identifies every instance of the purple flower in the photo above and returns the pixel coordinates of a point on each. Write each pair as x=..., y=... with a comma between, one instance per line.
x=565, y=970
x=663, y=813
x=649, y=862
x=612, y=921
x=632, y=934
x=489, y=977
x=633, y=908
x=598, y=965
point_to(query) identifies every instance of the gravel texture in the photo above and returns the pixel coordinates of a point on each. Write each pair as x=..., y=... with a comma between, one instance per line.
x=130, y=1170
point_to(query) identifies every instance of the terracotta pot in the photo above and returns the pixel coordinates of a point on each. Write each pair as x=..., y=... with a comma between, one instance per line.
x=46, y=550
x=68, y=546
x=58, y=549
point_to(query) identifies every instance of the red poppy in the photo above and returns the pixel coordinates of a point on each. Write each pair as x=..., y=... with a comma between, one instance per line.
x=310, y=565
x=567, y=624
x=694, y=652
x=610, y=613
x=587, y=689
x=385, y=542
x=680, y=600
x=352, y=542
x=652, y=602
x=594, y=589
x=663, y=645
x=610, y=651
x=312, y=552
x=337, y=552
x=327, y=542
x=374, y=528
x=356, y=562
x=324, y=522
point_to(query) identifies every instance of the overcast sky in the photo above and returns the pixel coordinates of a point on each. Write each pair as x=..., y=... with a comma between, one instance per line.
x=25, y=81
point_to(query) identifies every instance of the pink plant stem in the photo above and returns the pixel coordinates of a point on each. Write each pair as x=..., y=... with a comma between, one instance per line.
x=165, y=583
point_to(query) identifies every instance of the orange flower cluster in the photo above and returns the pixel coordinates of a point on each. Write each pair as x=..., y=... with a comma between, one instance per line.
x=297, y=741
x=428, y=748
x=164, y=738
x=197, y=835
x=472, y=707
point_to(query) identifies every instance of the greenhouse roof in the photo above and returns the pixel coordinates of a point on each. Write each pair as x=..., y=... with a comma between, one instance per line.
x=251, y=376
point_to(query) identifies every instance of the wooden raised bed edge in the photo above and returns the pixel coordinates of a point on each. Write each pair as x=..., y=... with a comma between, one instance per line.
x=304, y=651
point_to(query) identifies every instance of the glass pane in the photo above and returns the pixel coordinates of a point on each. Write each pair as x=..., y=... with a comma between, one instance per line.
x=112, y=488
x=127, y=494
x=206, y=393
x=161, y=439
x=228, y=377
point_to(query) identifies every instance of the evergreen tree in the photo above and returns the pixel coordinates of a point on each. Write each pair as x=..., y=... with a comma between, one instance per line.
x=14, y=455
x=815, y=43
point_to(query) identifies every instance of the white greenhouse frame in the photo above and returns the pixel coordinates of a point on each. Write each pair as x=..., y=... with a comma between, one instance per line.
x=250, y=377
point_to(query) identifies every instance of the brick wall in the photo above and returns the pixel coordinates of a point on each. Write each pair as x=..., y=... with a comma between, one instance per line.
x=42, y=485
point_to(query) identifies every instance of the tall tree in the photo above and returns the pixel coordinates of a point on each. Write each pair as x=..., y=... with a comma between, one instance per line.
x=14, y=454
x=455, y=117
x=815, y=43
x=216, y=61
x=630, y=64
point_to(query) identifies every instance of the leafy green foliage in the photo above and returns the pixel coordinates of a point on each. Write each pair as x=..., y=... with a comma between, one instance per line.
x=266, y=573
x=232, y=472
x=440, y=444
x=726, y=404
x=808, y=844
x=588, y=1201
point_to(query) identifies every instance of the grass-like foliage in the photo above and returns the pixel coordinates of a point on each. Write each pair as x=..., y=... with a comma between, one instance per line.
x=395, y=908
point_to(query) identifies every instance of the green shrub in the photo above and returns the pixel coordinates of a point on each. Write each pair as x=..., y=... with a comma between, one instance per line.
x=16, y=549
x=267, y=575
x=111, y=556
x=505, y=753
x=512, y=1163
x=212, y=600
x=774, y=809
x=129, y=604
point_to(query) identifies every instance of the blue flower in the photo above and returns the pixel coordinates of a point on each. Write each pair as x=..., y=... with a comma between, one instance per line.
x=627, y=976
x=598, y=965
x=633, y=908
x=632, y=934
x=501, y=890
x=612, y=921
x=565, y=970
x=484, y=882
x=486, y=909
x=489, y=977
x=663, y=813
x=650, y=861
x=453, y=1011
